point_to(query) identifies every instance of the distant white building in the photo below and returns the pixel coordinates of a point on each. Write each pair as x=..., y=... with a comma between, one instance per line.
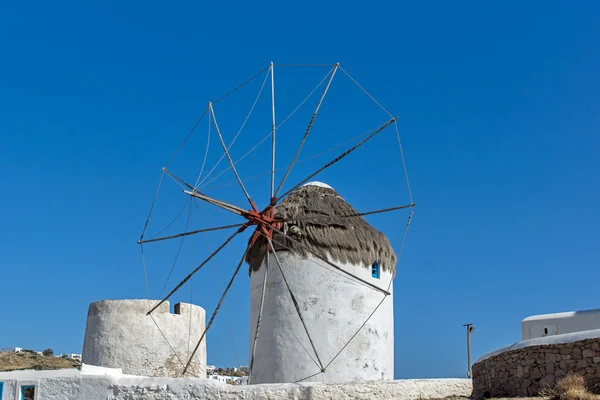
x=220, y=378
x=210, y=370
x=232, y=380
x=74, y=356
x=538, y=326
x=11, y=350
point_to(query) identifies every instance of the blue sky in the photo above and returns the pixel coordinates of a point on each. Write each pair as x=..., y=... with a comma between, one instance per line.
x=499, y=115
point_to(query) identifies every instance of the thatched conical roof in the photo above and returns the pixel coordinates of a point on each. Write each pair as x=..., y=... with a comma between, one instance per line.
x=344, y=240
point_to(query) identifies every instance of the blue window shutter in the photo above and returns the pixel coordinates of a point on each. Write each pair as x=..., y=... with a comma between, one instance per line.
x=375, y=269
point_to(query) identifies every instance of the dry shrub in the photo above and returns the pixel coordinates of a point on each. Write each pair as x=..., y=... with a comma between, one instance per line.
x=571, y=387
x=577, y=394
x=570, y=382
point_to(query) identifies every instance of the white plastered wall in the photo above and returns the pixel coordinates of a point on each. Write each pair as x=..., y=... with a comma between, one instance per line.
x=334, y=306
x=107, y=384
x=119, y=334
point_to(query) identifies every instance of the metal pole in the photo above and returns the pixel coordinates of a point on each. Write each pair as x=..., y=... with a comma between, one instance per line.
x=470, y=328
x=273, y=127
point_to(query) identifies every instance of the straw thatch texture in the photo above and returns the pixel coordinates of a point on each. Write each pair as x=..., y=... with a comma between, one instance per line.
x=316, y=217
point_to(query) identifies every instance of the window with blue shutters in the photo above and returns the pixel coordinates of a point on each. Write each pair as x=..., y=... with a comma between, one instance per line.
x=375, y=269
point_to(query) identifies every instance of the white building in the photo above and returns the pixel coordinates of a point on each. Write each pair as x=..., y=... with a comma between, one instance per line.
x=11, y=350
x=239, y=380
x=219, y=378
x=231, y=380
x=334, y=306
x=557, y=324
x=74, y=356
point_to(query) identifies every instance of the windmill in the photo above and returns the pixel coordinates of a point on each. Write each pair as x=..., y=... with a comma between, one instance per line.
x=292, y=239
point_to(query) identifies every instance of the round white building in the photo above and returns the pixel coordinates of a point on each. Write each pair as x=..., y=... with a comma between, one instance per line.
x=333, y=305
x=119, y=334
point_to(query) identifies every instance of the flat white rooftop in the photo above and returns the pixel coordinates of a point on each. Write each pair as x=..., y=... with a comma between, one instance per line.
x=567, y=314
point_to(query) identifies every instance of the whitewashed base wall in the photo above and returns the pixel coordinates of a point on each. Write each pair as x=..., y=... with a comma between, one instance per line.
x=94, y=383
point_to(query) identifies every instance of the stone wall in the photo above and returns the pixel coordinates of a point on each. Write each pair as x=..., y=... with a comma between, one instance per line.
x=526, y=371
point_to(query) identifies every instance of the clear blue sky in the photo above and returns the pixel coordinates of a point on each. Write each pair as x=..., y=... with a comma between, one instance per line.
x=499, y=114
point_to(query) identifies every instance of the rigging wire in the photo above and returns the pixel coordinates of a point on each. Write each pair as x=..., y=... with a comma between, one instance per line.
x=191, y=301
x=403, y=162
x=308, y=377
x=238, y=132
x=304, y=65
x=212, y=111
x=191, y=313
x=408, y=221
x=187, y=137
x=148, y=294
x=178, y=180
x=240, y=86
x=295, y=302
x=308, y=128
x=170, y=223
x=274, y=307
x=206, y=110
x=358, y=330
x=145, y=273
x=372, y=286
x=167, y=340
x=214, y=315
x=162, y=174
x=367, y=93
x=277, y=127
x=205, y=188
x=178, y=251
x=205, y=154
x=219, y=280
x=341, y=156
x=353, y=281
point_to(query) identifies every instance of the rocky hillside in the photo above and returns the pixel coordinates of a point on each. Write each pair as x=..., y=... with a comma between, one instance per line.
x=19, y=361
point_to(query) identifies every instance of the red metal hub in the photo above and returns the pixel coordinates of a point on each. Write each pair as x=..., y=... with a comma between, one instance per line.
x=264, y=220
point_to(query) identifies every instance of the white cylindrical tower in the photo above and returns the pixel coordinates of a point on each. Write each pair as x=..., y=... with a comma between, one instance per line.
x=119, y=334
x=334, y=306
